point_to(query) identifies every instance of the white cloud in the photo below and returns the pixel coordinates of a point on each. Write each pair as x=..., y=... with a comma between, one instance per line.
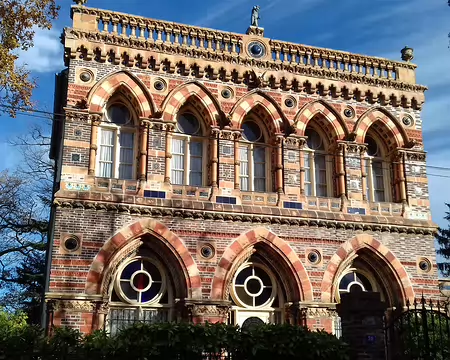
x=47, y=53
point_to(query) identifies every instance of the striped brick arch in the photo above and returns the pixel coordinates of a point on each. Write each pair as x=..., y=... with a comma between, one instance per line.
x=202, y=100
x=245, y=242
x=133, y=231
x=127, y=82
x=352, y=247
x=255, y=101
x=328, y=120
x=391, y=132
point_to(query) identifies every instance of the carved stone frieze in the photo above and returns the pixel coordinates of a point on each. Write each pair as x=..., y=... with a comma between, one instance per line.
x=318, y=312
x=215, y=310
x=74, y=115
x=295, y=141
x=71, y=305
x=354, y=148
x=414, y=155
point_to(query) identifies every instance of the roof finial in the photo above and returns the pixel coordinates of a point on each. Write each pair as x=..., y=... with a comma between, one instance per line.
x=80, y=2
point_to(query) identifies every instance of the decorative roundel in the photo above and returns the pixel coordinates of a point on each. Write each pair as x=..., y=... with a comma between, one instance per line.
x=159, y=85
x=227, y=93
x=314, y=257
x=256, y=49
x=207, y=251
x=407, y=121
x=86, y=76
x=425, y=265
x=71, y=244
x=349, y=112
x=290, y=102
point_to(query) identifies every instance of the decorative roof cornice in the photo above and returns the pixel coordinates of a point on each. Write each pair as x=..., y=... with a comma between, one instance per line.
x=234, y=213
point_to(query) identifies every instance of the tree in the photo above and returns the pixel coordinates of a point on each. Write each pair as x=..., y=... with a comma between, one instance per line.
x=443, y=239
x=18, y=21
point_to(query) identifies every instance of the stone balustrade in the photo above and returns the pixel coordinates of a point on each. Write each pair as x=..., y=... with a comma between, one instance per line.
x=150, y=32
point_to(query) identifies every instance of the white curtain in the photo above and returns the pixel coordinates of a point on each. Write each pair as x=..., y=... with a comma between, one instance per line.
x=259, y=165
x=244, y=170
x=195, y=167
x=177, y=165
x=106, y=153
x=126, y=146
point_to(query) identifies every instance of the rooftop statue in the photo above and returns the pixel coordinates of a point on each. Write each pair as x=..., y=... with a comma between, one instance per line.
x=80, y=2
x=255, y=16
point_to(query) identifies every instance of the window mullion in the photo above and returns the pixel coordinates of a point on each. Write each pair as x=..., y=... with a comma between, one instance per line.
x=251, y=184
x=116, y=159
x=313, y=173
x=371, y=182
x=187, y=161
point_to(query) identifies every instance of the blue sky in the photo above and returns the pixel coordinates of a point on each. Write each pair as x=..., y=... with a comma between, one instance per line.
x=372, y=27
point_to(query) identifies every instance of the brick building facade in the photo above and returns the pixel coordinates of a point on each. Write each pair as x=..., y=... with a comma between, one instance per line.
x=212, y=176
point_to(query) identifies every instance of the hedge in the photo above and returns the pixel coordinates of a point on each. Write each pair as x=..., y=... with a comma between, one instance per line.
x=170, y=341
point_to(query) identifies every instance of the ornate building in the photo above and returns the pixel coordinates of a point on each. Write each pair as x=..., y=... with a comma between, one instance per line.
x=214, y=176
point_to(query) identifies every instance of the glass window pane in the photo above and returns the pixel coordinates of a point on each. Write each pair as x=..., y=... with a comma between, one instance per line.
x=244, y=169
x=196, y=163
x=106, y=153
x=177, y=163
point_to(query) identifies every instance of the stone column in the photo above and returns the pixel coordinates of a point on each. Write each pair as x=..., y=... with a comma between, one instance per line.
x=362, y=324
x=95, y=122
x=168, y=153
x=143, y=148
x=237, y=135
x=214, y=156
x=340, y=170
x=399, y=176
x=279, y=164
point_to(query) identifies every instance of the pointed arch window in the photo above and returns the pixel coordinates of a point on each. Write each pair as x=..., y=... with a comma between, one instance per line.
x=253, y=158
x=378, y=172
x=188, y=149
x=317, y=165
x=142, y=292
x=117, y=144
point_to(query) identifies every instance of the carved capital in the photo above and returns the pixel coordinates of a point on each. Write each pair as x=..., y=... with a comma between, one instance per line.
x=411, y=155
x=296, y=140
x=209, y=310
x=72, y=305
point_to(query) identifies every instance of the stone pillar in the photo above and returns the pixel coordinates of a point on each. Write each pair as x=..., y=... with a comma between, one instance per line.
x=399, y=177
x=237, y=135
x=279, y=164
x=362, y=324
x=167, y=169
x=95, y=121
x=143, y=146
x=214, y=156
x=340, y=170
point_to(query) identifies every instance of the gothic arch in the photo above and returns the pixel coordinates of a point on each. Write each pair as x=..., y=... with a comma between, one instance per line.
x=278, y=123
x=130, y=233
x=333, y=124
x=392, y=132
x=350, y=249
x=242, y=246
x=106, y=87
x=181, y=95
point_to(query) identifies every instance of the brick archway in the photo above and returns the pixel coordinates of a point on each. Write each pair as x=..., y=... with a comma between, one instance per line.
x=333, y=125
x=246, y=241
x=351, y=247
x=249, y=102
x=131, y=232
x=181, y=95
x=393, y=132
x=106, y=87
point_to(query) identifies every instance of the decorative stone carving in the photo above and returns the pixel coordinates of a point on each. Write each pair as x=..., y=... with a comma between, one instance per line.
x=407, y=54
x=72, y=305
x=255, y=16
x=208, y=310
x=80, y=2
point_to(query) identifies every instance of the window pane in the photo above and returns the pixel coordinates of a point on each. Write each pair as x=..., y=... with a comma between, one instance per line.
x=106, y=153
x=307, y=167
x=259, y=166
x=177, y=163
x=126, y=143
x=244, y=170
x=321, y=175
x=196, y=163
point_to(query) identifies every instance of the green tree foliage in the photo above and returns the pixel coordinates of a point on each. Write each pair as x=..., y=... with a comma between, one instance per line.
x=18, y=20
x=182, y=341
x=443, y=239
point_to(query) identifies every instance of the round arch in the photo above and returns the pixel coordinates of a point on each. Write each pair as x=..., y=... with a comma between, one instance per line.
x=278, y=124
x=243, y=246
x=129, y=234
x=348, y=250
x=333, y=125
x=389, y=124
x=181, y=95
x=106, y=87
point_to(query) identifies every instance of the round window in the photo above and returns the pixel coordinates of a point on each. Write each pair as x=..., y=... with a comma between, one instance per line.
x=188, y=124
x=314, y=140
x=118, y=114
x=372, y=146
x=252, y=132
x=253, y=286
x=354, y=282
x=140, y=281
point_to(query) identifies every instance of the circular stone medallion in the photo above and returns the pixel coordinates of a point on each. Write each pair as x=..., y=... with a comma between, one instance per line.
x=256, y=49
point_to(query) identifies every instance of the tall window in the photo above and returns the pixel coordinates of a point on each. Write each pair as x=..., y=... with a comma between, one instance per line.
x=116, y=144
x=141, y=293
x=316, y=165
x=253, y=159
x=377, y=172
x=187, y=152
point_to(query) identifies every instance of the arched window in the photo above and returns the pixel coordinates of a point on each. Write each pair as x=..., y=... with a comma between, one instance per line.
x=253, y=157
x=188, y=149
x=316, y=165
x=117, y=144
x=256, y=296
x=141, y=292
x=378, y=172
